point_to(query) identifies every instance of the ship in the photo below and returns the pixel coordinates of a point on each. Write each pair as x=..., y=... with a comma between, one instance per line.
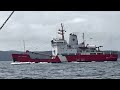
x=71, y=51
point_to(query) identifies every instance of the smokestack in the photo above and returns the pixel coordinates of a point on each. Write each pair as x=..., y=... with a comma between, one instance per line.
x=73, y=39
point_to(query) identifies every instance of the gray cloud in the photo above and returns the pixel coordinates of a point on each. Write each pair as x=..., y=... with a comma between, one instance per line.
x=37, y=28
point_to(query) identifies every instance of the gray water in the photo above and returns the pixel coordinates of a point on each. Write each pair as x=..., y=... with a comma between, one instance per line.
x=81, y=70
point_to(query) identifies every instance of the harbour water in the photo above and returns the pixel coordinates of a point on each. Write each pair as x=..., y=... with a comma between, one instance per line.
x=73, y=70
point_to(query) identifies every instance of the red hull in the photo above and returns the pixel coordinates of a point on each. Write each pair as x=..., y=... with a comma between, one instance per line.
x=69, y=58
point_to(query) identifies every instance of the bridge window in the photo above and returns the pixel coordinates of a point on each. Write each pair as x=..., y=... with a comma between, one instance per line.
x=99, y=53
x=92, y=53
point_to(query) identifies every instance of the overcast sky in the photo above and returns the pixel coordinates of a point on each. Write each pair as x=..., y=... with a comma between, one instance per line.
x=38, y=28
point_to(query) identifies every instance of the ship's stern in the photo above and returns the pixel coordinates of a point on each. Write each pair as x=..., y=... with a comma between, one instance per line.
x=20, y=57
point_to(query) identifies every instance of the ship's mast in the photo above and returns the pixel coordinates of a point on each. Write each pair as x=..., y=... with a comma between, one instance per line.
x=83, y=38
x=62, y=32
x=24, y=45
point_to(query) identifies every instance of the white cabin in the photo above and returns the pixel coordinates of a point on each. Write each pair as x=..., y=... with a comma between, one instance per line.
x=61, y=47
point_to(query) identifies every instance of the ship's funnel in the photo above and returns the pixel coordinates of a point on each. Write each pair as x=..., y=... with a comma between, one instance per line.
x=73, y=39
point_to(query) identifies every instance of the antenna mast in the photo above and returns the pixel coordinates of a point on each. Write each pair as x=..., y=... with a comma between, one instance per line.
x=83, y=38
x=24, y=45
x=62, y=31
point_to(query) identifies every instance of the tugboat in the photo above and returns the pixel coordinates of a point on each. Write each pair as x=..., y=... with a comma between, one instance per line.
x=68, y=52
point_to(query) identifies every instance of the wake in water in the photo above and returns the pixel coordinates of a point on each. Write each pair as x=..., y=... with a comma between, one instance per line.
x=21, y=63
x=24, y=63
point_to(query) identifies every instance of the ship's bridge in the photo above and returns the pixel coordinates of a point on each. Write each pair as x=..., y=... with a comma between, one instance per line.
x=60, y=46
x=57, y=42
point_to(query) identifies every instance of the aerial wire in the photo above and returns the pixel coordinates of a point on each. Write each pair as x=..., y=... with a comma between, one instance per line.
x=6, y=20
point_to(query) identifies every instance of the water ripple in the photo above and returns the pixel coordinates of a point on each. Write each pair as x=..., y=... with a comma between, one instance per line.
x=81, y=70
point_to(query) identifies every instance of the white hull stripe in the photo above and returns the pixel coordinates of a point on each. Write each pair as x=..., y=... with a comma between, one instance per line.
x=62, y=58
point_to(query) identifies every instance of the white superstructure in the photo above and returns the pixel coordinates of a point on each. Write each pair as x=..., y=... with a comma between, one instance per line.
x=61, y=47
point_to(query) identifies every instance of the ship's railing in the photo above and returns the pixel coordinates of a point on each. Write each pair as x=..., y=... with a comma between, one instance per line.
x=110, y=52
x=92, y=53
x=101, y=52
